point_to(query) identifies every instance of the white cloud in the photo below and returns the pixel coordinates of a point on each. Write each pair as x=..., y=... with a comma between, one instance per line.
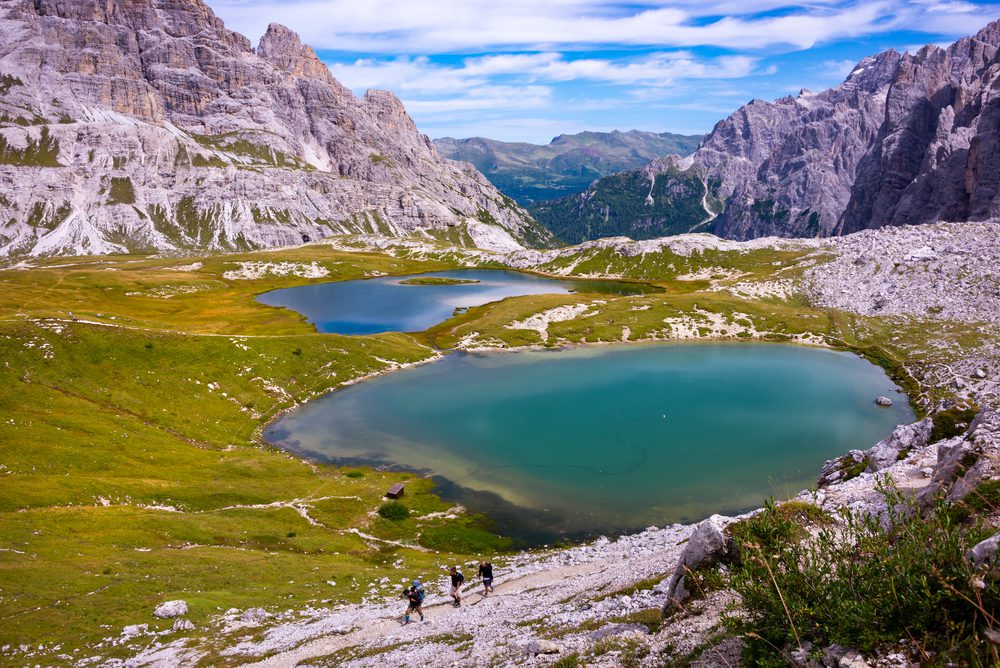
x=836, y=70
x=522, y=69
x=444, y=96
x=442, y=26
x=423, y=75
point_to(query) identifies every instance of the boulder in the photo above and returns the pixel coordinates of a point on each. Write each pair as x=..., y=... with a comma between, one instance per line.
x=961, y=467
x=883, y=401
x=135, y=630
x=540, y=646
x=707, y=546
x=616, y=630
x=171, y=609
x=904, y=438
x=983, y=554
x=836, y=470
x=254, y=615
x=182, y=624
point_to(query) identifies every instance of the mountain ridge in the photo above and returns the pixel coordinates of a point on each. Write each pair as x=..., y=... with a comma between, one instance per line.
x=148, y=126
x=567, y=164
x=904, y=139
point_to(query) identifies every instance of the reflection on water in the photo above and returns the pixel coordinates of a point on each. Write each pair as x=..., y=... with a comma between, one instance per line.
x=385, y=304
x=608, y=438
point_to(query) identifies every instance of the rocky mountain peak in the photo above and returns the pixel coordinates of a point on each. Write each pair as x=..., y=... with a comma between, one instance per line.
x=905, y=139
x=990, y=34
x=177, y=18
x=146, y=125
x=282, y=47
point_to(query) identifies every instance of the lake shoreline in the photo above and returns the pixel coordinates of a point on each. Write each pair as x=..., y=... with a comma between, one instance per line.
x=493, y=494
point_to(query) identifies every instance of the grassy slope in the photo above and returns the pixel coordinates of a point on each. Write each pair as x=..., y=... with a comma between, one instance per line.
x=125, y=416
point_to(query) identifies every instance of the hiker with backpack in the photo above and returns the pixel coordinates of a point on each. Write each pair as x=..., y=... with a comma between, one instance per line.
x=486, y=573
x=415, y=600
x=456, y=585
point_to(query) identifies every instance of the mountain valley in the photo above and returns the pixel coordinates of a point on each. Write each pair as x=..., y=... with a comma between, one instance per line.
x=166, y=186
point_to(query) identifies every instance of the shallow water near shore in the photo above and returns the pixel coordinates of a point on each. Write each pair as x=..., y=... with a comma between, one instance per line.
x=609, y=438
x=389, y=304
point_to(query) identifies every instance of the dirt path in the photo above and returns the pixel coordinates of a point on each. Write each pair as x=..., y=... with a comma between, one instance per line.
x=438, y=615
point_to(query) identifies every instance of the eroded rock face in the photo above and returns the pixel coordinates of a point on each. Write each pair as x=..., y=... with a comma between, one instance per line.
x=906, y=139
x=147, y=125
x=707, y=546
x=965, y=462
x=904, y=438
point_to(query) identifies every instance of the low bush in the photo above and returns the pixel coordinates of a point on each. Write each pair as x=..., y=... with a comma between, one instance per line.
x=394, y=510
x=865, y=584
x=951, y=422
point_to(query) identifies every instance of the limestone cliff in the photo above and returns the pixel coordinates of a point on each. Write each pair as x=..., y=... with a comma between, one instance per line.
x=905, y=139
x=146, y=125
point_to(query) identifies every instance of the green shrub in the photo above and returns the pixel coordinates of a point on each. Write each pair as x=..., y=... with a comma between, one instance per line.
x=770, y=529
x=865, y=585
x=984, y=499
x=394, y=510
x=568, y=661
x=951, y=422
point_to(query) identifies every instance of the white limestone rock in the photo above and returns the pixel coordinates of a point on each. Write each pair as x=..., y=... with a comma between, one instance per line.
x=171, y=609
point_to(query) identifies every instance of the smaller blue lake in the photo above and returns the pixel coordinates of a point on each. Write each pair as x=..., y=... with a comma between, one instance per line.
x=387, y=304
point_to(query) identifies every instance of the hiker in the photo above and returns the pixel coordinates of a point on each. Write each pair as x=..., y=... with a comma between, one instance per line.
x=415, y=600
x=456, y=585
x=486, y=573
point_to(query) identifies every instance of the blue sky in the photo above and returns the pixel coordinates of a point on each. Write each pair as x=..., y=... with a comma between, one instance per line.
x=527, y=70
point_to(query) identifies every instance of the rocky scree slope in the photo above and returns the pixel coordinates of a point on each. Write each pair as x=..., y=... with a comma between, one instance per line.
x=531, y=173
x=905, y=139
x=141, y=125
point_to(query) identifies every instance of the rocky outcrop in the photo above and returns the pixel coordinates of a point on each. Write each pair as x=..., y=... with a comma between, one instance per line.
x=707, y=546
x=906, y=139
x=902, y=440
x=146, y=125
x=171, y=609
x=964, y=462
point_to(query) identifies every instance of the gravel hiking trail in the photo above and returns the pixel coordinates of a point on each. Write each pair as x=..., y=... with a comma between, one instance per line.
x=440, y=617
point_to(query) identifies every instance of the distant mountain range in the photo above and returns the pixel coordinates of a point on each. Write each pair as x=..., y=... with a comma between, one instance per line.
x=532, y=173
x=905, y=139
x=146, y=125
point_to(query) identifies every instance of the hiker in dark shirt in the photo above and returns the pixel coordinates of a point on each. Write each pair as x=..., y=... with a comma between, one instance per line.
x=415, y=600
x=486, y=573
x=456, y=585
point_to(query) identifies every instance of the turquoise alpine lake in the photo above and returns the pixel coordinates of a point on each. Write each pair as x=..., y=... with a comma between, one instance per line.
x=389, y=304
x=606, y=439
